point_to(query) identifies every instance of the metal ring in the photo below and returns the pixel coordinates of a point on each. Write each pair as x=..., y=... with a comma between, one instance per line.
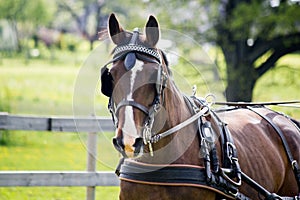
x=208, y=97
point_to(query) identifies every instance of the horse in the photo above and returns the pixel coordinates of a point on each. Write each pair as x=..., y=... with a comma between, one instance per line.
x=175, y=146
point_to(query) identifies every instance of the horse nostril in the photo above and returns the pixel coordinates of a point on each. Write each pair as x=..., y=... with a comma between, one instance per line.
x=138, y=144
x=119, y=146
x=118, y=142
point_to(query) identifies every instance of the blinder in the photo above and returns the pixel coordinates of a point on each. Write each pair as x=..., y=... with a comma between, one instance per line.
x=106, y=82
x=129, y=61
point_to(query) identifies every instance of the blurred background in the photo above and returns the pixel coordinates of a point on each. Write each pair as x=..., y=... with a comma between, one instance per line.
x=240, y=50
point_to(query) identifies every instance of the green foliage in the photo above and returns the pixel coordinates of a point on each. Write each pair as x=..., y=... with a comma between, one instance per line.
x=257, y=19
x=37, y=12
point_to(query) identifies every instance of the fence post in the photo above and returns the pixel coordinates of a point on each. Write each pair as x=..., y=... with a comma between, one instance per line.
x=91, y=162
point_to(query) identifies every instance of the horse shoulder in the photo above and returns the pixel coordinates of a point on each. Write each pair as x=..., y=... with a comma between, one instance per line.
x=257, y=147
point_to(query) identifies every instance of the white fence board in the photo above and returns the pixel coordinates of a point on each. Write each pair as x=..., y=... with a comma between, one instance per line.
x=57, y=178
x=59, y=124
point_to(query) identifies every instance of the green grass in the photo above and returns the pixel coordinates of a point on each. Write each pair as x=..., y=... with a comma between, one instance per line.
x=56, y=193
x=59, y=152
x=40, y=87
x=282, y=83
x=37, y=90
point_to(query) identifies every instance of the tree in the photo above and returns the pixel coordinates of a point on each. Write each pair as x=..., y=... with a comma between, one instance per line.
x=252, y=34
x=82, y=12
x=91, y=15
x=18, y=12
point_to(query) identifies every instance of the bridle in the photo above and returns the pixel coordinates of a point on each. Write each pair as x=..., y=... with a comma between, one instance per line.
x=130, y=52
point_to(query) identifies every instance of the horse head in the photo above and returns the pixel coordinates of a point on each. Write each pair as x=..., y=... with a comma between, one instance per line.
x=135, y=85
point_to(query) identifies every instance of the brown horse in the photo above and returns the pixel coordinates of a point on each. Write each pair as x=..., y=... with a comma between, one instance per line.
x=176, y=147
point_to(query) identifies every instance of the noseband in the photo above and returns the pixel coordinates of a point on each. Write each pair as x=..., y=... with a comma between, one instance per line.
x=130, y=52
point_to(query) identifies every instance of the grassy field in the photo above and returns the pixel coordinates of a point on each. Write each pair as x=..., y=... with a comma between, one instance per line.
x=55, y=151
x=46, y=87
x=40, y=87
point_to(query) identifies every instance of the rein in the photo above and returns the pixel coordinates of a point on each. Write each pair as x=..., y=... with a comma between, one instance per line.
x=245, y=104
x=202, y=112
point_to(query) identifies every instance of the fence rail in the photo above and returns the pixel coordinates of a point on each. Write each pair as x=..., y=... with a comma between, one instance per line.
x=57, y=178
x=90, y=178
x=59, y=124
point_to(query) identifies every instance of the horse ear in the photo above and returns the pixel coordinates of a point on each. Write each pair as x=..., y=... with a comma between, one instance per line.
x=152, y=31
x=116, y=31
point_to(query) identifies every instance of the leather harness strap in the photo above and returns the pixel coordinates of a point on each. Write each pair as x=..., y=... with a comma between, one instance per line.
x=173, y=175
x=287, y=149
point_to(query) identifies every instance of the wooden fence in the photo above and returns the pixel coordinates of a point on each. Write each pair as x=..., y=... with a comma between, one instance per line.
x=90, y=178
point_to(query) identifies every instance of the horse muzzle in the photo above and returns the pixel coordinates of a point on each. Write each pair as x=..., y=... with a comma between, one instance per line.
x=128, y=151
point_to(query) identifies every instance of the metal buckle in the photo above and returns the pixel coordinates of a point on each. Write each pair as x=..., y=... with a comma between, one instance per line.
x=294, y=164
x=234, y=194
x=230, y=149
x=234, y=160
x=147, y=135
x=224, y=172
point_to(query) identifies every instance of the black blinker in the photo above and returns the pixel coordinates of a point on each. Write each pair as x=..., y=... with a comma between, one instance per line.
x=130, y=60
x=106, y=82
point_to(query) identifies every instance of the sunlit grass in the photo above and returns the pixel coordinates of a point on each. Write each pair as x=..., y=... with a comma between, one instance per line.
x=281, y=83
x=56, y=193
x=39, y=90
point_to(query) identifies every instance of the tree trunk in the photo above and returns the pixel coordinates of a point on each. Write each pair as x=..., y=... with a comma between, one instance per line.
x=240, y=83
x=241, y=74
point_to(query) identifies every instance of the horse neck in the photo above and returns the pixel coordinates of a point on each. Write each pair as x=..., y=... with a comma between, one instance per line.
x=181, y=147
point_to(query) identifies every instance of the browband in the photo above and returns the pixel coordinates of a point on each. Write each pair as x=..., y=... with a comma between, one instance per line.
x=120, y=50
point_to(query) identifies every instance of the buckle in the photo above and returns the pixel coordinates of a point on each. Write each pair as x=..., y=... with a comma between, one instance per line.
x=231, y=154
x=231, y=149
x=295, y=165
x=234, y=194
x=224, y=173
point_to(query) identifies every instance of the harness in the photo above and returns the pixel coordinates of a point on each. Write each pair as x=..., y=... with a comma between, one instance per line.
x=224, y=180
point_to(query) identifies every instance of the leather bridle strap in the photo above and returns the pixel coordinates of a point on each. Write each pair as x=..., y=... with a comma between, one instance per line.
x=132, y=103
